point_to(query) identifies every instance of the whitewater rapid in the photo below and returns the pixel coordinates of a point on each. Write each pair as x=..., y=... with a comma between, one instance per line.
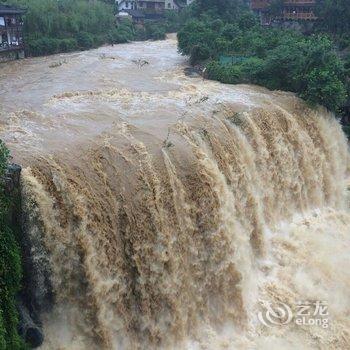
x=165, y=211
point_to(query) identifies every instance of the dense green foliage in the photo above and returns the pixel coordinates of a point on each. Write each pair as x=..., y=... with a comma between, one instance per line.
x=53, y=26
x=152, y=30
x=10, y=269
x=126, y=31
x=175, y=20
x=225, y=9
x=275, y=58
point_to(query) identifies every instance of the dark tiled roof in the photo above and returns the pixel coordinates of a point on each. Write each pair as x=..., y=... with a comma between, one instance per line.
x=10, y=10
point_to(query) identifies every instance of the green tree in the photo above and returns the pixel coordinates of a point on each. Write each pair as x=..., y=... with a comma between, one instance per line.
x=272, y=57
x=220, y=8
x=196, y=33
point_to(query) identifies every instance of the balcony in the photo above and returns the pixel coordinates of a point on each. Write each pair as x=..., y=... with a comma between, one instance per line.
x=264, y=4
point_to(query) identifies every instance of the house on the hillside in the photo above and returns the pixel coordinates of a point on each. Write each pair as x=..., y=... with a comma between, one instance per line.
x=11, y=33
x=291, y=10
x=150, y=5
x=174, y=5
x=126, y=5
x=152, y=9
x=137, y=16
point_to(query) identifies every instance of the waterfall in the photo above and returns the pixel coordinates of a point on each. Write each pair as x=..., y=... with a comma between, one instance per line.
x=146, y=244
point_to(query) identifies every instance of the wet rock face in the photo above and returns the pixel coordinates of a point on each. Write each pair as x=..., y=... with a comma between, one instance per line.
x=29, y=320
x=28, y=329
x=38, y=288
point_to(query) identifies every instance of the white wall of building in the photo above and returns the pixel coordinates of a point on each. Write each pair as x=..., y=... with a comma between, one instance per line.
x=126, y=4
x=171, y=5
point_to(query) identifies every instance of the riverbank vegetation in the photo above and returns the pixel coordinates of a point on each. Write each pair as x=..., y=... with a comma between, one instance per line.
x=52, y=26
x=227, y=39
x=10, y=268
x=126, y=31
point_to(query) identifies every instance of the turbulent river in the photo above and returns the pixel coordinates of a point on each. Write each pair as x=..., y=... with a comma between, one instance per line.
x=169, y=212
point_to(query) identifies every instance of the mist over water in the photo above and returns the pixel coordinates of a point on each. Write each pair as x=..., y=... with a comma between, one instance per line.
x=164, y=208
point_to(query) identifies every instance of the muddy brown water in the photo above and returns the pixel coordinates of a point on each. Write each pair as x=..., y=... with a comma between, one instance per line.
x=171, y=209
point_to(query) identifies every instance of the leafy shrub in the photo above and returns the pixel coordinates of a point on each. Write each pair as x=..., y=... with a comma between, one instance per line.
x=118, y=37
x=85, y=40
x=140, y=33
x=199, y=53
x=228, y=74
x=99, y=40
x=124, y=33
x=324, y=87
x=44, y=46
x=195, y=33
x=175, y=20
x=69, y=44
x=155, y=31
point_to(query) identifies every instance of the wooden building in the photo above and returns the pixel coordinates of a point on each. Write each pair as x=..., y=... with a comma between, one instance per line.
x=138, y=17
x=297, y=10
x=147, y=5
x=11, y=33
x=151, y=9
